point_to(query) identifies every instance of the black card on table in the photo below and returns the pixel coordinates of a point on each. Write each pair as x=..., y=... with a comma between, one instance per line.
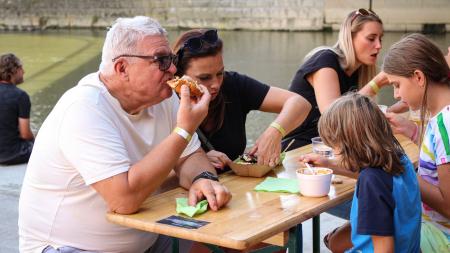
x=183, y=222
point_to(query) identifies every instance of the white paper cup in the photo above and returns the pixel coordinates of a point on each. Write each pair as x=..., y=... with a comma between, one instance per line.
x=314, y=185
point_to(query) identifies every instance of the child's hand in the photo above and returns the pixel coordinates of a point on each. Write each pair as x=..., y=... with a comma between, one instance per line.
x=401, y=125
x=316, y=160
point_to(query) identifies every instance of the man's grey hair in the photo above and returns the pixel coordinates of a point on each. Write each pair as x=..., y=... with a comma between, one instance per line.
x=123, y=38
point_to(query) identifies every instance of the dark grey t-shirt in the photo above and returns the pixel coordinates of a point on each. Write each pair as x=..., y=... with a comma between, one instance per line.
x=14, y=104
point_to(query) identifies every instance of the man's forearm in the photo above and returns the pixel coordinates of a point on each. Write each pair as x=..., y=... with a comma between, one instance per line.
x=150, y=172
x=189, y=167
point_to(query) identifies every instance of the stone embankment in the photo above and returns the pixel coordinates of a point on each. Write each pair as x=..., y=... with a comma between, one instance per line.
x=298, y=15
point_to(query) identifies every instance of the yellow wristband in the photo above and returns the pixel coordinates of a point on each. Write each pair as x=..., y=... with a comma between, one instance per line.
x=279, y=128
x=374, y=86
x=183, y=133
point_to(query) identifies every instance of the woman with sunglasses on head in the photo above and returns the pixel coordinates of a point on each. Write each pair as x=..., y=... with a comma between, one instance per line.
x=329, y=72
x=233, y=96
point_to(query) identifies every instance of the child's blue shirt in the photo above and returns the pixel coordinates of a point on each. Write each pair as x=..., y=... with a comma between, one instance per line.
x=386, y=205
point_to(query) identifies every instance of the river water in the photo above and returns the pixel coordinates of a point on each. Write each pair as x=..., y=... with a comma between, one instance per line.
x=54, y=61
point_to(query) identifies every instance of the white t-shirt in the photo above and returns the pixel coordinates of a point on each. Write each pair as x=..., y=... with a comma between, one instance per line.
x=86, y=138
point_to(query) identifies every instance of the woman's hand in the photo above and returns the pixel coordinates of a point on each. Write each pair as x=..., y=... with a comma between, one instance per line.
x=268, y=147
x=218, y=159
x=381, y=79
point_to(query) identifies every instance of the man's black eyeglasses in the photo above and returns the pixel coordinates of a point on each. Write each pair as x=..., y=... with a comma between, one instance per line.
x=164, y=61
x=362, y=12
x=195, y=44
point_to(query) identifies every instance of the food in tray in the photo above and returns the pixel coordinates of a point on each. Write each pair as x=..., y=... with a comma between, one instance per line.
x=247, y=159
x=194, y=88
x=252, y=159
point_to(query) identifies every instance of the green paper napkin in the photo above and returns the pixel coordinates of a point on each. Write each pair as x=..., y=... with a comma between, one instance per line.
x=273, y=184
x=184, y=208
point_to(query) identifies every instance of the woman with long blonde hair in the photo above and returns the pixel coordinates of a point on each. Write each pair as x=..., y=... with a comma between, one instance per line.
x=329, y=72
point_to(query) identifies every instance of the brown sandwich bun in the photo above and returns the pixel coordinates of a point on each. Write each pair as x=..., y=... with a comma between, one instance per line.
x=177, y=82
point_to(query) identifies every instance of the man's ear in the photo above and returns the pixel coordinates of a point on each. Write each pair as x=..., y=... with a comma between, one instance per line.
x=121, y=68
x=420, y=78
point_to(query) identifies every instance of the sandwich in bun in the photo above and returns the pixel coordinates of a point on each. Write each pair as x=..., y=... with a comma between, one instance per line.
x=194, y=88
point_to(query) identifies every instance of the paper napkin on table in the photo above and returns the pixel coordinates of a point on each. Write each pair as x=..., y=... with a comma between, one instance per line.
x=184, y=208
x=273, y=184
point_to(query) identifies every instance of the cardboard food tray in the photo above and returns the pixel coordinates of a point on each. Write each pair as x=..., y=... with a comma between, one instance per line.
x=249, y=170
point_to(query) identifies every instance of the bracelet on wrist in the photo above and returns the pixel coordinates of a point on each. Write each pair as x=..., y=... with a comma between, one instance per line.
x=183, y=133
x=374, y=86
x=206, y=175
x=279, y=128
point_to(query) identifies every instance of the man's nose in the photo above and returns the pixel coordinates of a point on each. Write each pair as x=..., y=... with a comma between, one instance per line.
x=172, y=69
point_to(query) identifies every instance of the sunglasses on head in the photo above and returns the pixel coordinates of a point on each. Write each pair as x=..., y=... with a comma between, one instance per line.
x=164, y=61
x=195, y=44
x=362, y=12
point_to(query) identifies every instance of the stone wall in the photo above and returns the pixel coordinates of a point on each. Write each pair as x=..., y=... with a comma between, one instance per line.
x=223, y=14
x=398, y=15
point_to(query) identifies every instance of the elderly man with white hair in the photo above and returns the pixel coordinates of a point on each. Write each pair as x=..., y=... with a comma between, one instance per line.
x=109, y=143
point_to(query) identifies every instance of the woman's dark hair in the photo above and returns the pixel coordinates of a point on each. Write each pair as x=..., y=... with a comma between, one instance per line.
x=185, y=54
x=9, y=64
x=216, y=111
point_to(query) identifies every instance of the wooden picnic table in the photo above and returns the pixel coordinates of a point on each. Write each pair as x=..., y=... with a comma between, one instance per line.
x=251, y=217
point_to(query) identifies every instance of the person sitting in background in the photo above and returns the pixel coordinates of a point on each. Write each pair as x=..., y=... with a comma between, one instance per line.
x=385, y=213
x=16, y=138
x=421, y=78
x=234, y=95
x=109, y=143
x=329, y=72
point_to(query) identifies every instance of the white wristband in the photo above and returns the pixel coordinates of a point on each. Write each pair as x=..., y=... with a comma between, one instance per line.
x=183, y=133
